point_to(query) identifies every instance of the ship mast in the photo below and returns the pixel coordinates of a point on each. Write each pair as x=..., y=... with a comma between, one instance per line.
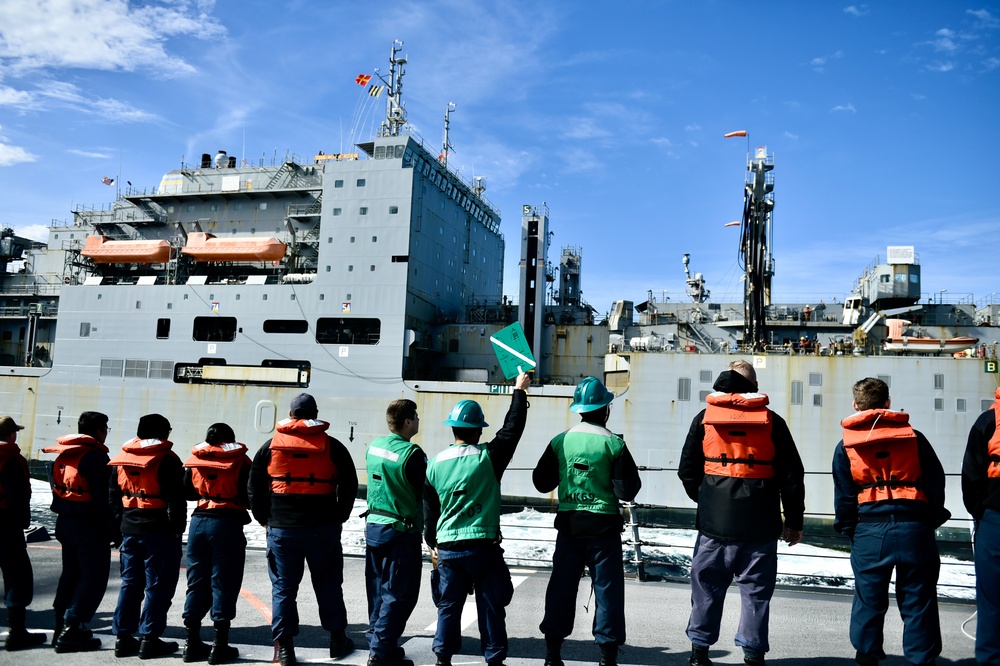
x=755, y=244
x=395, y=114
x=446, y=146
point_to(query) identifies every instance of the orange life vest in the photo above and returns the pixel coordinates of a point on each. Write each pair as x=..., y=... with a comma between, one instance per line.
x=215, y=473
x=300, y=459
x=993, y=452
x=8, y=452
x=67, y=482
x=138, y=472
x=882, y=448
x=738, y=436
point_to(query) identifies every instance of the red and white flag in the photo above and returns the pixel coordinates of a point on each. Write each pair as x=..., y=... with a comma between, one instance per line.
x=363, y=79
x=108, y=181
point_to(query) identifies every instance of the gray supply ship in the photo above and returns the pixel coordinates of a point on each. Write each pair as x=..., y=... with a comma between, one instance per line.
x=362, y=277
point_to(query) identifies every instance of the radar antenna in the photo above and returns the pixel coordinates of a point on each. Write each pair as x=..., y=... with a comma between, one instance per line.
x=446, y=146
x=695, y=285
x=395, y=113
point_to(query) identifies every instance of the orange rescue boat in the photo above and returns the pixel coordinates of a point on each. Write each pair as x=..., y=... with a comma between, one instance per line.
x=100, y=250
x=204, y=247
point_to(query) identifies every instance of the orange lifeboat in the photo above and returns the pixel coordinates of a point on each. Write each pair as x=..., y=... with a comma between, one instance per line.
x=103, y=251
x=204, y=247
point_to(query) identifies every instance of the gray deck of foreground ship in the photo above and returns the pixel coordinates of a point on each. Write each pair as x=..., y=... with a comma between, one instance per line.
x=807, y=628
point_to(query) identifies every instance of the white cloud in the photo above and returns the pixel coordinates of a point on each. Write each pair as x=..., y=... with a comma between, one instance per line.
x=11, y=97
x=87, y=153
x=661, y=141
x=109, y=109
x=11, y=155
x=693, y=127
x=856, y=10
x=100, y=34
x=990, y=64
x=789, y=135
x=844, y=107
x=819, y=63
x=36, y=232
x=944, y=40
x=985, y=17
x=941, y=66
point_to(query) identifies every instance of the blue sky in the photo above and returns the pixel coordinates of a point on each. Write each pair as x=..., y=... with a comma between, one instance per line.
x=883, y=118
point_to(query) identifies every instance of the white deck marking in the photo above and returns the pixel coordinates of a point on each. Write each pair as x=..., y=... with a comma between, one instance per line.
x=469, y=614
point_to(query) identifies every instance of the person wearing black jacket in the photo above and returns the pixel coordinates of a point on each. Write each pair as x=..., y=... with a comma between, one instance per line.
x=147, y=497
x=889, y=498
x=593, y=469
x=981, y=494
x=740, y=464
x=216, y=476
x=86, y=530
x=462, y=522
x=302, y=489
x=15, y=516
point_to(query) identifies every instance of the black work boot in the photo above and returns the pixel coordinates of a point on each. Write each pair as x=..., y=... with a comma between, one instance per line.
x=151, y=647
x=126, y=645
x=18, y=638
x=76, y=638
x=699, y=656
x=286, y=651
x=222, y=652
x=609, y=654
x=553, y=652
x=340, y=644
x=390, y=661
x=442, y=660
x=753, y=657
x=194, y=648
x=58, y=628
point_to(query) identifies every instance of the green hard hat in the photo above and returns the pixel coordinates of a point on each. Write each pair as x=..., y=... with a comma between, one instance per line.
x=466, y=414
x=590, y=395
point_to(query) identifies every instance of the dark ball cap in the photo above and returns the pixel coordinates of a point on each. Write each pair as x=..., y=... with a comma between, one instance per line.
x=8, y=425
x=153, y=426
x=303, y=406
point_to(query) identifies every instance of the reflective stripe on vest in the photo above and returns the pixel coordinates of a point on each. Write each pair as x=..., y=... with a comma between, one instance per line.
x=586, y=454
x=738, y=436
x=139, y=472
x=300, y=463
x=882, y=449
x=67, y=482
x=391, y=498
x=465, y=482
x=215, y=472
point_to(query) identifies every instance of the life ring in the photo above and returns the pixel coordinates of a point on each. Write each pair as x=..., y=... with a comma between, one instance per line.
x=66, y=280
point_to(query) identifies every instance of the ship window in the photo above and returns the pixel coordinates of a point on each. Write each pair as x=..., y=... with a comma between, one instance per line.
x=399, y=150
x=684, y=388
x=400, y=258
x=393, y=210
x=136, y=367
x=703, y=395
x=796, y=397
x=338, y=183
x=190, y=208
x=349, y=331
x=938, y=404
x=914, y=278
x=237, y=206
x=380, y=152
x=215, y=207
x=985, y=404
x=374, y=239
x=348, y=297
x=352, y=239
x=262, y=206
x=350, y=268
x=815, y=379
x=162, y=329
x=286, y=326
x=960, y=405
x=363, y=210
x=84, y=329
x=327, y=270
x=706, y=376
x=818, y=400
x=884, y=278
x=214, y=329
x=322, y=297
x=372, y=268
x=887, y=379
x=361, y=182
x=111, y=367
x=938, y=381
x=161, y=369
x=329, y=239
x=337, y=211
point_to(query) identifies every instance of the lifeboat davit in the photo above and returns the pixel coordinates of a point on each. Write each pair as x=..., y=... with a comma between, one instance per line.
x=203, y=247
x=100, y=250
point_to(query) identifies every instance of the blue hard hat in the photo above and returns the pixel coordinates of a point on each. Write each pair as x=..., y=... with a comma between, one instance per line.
x=590, y=395
x=466, y=414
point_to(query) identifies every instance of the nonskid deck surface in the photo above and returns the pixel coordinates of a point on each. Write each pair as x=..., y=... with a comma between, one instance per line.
x=807, y=628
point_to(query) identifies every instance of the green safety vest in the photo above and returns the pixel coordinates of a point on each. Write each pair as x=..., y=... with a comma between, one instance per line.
x=586, y=455
x=469, y=491
x=391, y=498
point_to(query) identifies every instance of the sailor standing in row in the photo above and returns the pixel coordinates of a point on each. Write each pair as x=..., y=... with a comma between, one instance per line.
x=216, y=475
x=593, y=470
x=889, y=499
x=147, y=496
x=462, y=521
x=302, y=488
x=85, y=528
x=15, y=516
x=981, y=495
x=396, y=469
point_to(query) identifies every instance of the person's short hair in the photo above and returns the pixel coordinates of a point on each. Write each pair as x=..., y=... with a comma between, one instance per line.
x=303, y=407
x=744, y=368
x=467, y=435
x=397, y=413
x=91, y=422
x=153, y=426
x=871, y=393
x=598, y=416
x=220, y=433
